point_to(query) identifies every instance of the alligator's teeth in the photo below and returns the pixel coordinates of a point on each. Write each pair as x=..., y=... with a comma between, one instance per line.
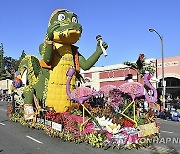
x=67, y=34
x=78, y=32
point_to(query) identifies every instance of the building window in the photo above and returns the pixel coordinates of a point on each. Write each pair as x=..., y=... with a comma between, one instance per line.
x=170, y=82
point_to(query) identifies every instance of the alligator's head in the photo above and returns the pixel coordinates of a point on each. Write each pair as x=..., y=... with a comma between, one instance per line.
x=68, y=30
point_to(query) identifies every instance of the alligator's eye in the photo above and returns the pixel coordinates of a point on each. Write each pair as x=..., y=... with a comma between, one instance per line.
x=74, y=19
x=61, y=17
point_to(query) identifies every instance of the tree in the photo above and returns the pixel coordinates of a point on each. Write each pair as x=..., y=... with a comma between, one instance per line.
x=1, y=58
x=8, y=65
x=141, y=67
x=23, y=54
x=11, y=64
x=2, y=70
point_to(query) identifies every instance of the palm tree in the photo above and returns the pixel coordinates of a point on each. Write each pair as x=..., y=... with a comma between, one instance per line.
x=141, y=67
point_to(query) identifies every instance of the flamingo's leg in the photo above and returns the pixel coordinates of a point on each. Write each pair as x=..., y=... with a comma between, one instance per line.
x=134, y=111
x=84, y=121
x=127, y=107
x=134, y=114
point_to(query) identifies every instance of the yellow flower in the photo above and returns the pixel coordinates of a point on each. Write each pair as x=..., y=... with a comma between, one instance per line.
x=113, y=128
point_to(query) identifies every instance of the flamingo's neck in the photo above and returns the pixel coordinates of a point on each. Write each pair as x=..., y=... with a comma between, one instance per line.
x=68, y=87
x=149, y=85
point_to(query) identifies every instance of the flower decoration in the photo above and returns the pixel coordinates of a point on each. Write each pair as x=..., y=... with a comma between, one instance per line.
x=17, y=83
x=18, y=96
x=106, y=89
x=131, y=88
x=142, y=56
x=115, y=98
x=82, y=92
x=103, y=121
x=126, y=123
x=113, y=128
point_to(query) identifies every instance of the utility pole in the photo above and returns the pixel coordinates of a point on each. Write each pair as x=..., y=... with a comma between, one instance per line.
x=163, y=80
x=1, y=60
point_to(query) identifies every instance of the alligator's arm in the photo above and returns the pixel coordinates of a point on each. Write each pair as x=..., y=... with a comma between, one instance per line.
x=46, y=48
x=87, y=64
x=46, y=51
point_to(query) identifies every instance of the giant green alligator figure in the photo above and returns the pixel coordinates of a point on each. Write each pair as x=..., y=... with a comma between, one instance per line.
x=46, y=79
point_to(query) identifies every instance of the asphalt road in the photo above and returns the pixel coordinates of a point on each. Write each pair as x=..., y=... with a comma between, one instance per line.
x=17, y=139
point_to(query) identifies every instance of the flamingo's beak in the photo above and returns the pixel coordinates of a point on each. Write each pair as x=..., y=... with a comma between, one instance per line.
x=70, y=72
x=148, y=77
x=67, y=73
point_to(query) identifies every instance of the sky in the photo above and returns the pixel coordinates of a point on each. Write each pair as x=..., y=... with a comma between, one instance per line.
x=123, y=24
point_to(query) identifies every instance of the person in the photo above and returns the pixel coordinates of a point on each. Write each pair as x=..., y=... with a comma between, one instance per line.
x=129, y=78
x=156, y=112
x=167, y=114
x=178, y=99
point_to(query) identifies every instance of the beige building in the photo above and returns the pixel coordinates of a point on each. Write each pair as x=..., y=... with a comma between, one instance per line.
x=5, y=86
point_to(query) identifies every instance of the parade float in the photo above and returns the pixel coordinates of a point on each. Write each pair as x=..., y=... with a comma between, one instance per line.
x=45, y=94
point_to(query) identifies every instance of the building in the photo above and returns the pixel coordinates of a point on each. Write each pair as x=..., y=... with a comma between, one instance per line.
x=171, y=75
x=5, y=86
x=97, y=77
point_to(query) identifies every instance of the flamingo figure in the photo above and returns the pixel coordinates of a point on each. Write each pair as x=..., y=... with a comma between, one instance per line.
x=79, y=94
x=106, y=89
x=134, y=90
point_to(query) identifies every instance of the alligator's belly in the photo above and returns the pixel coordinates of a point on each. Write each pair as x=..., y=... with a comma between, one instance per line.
x=56, y=94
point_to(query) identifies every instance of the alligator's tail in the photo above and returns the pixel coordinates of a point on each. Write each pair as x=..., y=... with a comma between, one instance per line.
x=30, y=68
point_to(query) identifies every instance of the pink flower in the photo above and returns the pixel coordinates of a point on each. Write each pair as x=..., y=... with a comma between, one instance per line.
x=89, y=128
x=79, y=119
x=108, y=135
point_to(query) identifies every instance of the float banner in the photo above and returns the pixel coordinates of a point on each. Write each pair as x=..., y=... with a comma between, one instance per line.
x=147, y=129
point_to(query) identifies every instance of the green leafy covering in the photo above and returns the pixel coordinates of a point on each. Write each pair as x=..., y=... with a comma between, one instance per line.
x=141, y=65
x=37, y=76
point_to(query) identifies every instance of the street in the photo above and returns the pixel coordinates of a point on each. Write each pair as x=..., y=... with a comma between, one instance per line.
x=17, y=139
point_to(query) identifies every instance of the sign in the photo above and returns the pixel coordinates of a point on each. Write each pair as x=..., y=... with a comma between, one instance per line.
x=57, y=126
x=40, y=120
x=46, y=122
x=147, y=129
x=168, y=64
x=28, y=112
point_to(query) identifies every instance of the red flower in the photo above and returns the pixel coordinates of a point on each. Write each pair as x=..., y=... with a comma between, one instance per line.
x=141, y=56
x=158, y=126
x=126, y=123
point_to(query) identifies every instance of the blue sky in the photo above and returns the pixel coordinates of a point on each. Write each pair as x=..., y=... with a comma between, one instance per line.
x=123, y=24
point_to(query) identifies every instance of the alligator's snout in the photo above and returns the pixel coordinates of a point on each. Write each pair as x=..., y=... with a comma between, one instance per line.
x=77, y=27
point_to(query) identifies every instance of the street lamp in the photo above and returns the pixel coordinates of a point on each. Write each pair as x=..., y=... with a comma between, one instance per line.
x=163, y=81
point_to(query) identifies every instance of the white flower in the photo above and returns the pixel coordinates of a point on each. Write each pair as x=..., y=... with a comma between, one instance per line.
x=103, y=121
x=113, y=128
